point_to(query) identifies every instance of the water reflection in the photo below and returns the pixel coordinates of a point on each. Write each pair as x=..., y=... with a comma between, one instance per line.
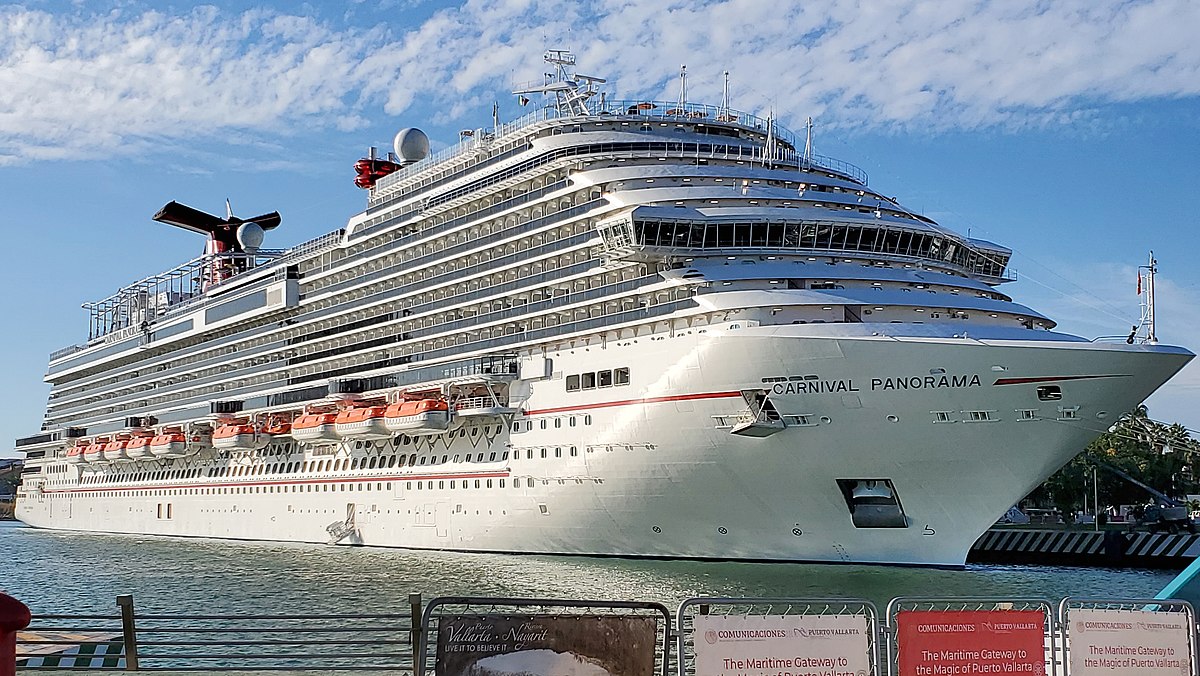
x=76, y=572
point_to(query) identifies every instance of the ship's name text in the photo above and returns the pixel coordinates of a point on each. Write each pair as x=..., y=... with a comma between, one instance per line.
x=877, y=384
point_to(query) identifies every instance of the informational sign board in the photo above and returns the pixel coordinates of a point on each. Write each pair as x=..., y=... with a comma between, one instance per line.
x=799, y=645
x=552, y=645
x=1128, y=642
x=950, y=642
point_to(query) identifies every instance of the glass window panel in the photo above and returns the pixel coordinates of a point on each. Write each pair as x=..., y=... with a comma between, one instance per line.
x=808, y=238
x=758, y=234
x=853, y=233
x=791, y=235
x=725, y=235
x=741, y=235
x=837, y=238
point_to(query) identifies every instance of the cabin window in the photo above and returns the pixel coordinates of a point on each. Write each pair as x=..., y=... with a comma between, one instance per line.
x=621, y=376
x=573, y=383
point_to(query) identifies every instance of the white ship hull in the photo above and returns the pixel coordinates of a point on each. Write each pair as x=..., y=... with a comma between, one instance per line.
x=653, y=475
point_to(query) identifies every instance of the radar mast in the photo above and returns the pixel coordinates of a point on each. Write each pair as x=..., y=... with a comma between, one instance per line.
x=571, y=90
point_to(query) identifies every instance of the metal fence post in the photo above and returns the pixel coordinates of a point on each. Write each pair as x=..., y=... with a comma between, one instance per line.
x=128, y=631
x=418, y=633
x=14, y=616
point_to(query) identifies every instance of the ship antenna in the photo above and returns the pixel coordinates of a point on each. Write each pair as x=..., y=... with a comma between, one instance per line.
x=725, y=96
x=682, y=87
x=808, y=142
x=769, y=150
x=1148, y=301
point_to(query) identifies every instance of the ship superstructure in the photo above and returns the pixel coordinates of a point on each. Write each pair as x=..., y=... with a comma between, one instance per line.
x=628, y=328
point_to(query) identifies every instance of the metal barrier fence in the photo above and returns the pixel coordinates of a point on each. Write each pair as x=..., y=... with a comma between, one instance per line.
x=816, y=620
x=1095, y=635
x=452, y=636
x=1029, y=623
x=624, y=632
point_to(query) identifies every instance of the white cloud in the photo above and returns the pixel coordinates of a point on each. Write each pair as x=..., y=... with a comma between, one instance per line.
x=103, y=84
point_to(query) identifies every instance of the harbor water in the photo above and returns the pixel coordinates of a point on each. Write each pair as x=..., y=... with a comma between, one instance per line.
x=67, y=572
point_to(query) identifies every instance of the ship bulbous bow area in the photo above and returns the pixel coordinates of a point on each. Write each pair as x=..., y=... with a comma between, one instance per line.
x=865, y=443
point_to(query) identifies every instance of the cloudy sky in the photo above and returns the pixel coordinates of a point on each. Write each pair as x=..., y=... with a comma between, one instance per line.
x=1066, y=130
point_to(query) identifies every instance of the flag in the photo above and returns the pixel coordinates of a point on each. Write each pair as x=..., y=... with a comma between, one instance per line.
x=1139, y=282
x=523, y=100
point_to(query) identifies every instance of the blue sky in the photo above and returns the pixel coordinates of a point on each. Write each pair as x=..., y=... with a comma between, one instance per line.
x=1067, y=131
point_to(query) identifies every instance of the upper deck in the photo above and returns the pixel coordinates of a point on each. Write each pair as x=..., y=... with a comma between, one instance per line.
x=486, y=147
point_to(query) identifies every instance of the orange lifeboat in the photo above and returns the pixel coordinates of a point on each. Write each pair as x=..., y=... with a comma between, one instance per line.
x=315, y=427
x=114, y=451
x=238, y=437
x=365, y=422
x=418, y=417
x=177, y=444
x=75, y=453
x=94, y=452
x=138, y=448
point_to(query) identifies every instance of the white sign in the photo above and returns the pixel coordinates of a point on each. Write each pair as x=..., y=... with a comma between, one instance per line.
x=1128, y=642
x=771, y=645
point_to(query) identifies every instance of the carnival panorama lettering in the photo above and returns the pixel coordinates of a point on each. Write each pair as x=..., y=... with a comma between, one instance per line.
x=877, y=384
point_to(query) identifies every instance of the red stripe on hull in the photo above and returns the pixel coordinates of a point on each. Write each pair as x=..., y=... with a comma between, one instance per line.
x=631, y=402
x=1052, y=379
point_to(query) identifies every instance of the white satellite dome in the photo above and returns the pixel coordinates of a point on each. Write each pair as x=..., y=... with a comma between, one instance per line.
x=250, y=236
x=411, y=145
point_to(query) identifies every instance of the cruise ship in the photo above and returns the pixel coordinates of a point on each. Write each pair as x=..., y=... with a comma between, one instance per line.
x=611, y=328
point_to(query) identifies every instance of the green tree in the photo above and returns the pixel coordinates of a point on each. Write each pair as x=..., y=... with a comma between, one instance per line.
x=1160, y=456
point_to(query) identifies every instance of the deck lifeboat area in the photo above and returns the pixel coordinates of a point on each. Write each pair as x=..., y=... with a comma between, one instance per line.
x=433, y=409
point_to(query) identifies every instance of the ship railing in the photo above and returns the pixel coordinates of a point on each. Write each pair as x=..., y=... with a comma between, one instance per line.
x=480, y=140
x=466, y=403
x=66, y=351
x=183, y=286
x=311, y=247
x=138, y=641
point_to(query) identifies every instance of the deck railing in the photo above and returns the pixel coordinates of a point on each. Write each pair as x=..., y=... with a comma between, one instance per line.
x=641, y=110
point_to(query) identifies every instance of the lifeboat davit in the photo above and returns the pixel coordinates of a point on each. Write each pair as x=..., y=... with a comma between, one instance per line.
x=238, y=437
x=315, y=427
x=365, y=422
x=277, y=428
x=138, y=448
x=114, y=451
x=94, y=452
x=75, y=453
x=176, y=444
x=418, y=417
